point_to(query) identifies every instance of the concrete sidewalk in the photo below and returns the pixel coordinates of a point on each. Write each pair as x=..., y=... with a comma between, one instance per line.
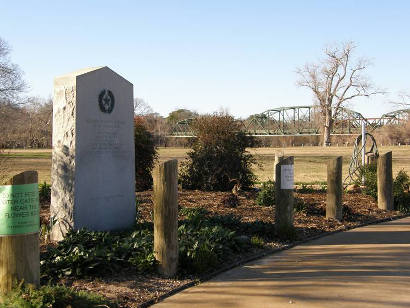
x=364, y=267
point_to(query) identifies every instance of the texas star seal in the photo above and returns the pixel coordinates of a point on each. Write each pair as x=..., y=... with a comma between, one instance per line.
x=106, y=101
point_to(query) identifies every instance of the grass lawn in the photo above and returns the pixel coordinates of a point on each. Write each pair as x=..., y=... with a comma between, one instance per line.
x=310, y=162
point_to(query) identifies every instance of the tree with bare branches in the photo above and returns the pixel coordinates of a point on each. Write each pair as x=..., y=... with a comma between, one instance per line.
x=141, y=108
x=11, y=82
x=334, y=81
x=403, y=100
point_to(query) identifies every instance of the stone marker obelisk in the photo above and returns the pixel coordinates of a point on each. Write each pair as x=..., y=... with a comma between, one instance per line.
x=93, y=167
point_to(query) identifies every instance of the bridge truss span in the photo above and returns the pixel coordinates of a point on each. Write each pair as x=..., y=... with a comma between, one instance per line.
x=303, y=120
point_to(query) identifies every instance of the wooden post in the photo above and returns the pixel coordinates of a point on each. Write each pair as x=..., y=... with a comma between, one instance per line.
x=166, y=217
x=385, y=182
x=278, y=158
x=334, y=188
x=370, y=159
x=20, y=254
x=284, y=196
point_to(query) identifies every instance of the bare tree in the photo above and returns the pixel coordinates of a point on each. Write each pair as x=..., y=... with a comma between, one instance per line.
x=5, y=166
x=335, y=81
x=38, y=122
x=11, y=82
x=403, y=100
x=141, y=108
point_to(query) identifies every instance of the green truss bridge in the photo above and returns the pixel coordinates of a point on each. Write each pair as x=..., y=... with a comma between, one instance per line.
x=302, y=120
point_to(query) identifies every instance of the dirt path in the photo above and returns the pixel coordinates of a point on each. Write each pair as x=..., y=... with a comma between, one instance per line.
x=364, y=267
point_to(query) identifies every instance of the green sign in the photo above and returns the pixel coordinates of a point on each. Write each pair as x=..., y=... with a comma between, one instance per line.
x=19, y=209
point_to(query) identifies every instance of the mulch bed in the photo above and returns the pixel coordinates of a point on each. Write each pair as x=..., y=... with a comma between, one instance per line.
x=131, y=290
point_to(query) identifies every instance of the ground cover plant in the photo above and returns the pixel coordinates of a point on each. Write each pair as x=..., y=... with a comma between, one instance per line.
x=266, y=195
x=52, y=296
x=204, y=242
x=85, y=253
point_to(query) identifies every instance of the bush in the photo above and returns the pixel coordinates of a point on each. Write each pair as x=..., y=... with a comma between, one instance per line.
x=401, y=192
x=369, y=172
x=44, y=191
x=145, y=155
x=218, y=158
x=52, y=296
x=266, y=196
x=400, y=187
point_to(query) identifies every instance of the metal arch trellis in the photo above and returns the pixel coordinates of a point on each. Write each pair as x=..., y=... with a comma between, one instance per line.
x=355, y=164
x=302, y=120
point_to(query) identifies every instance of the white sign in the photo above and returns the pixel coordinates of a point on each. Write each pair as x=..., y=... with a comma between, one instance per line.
x=286, y=177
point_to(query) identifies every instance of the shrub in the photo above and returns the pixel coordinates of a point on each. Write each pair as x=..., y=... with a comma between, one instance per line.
x=401, y=192
x=218, y=158
x=44, y=191
x=145, y=155
x=369, y=172
x=266, y=196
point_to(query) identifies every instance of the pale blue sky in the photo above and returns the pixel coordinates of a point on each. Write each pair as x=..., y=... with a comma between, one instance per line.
x=207, y=55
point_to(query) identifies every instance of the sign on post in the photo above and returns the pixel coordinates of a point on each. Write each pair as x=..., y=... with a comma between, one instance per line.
x=284, y=196
x=286, y=177
x=19, y=226
x=19, y=209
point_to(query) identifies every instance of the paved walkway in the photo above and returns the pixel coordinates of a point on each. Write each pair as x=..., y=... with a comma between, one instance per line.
x=364, y=267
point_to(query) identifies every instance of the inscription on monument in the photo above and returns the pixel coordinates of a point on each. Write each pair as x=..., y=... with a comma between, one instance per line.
x=106, y=135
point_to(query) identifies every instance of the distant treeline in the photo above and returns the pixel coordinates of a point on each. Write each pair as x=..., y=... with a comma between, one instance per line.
x=29, y=125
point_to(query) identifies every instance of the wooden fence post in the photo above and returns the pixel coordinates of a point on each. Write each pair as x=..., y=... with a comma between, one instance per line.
x=166, y=217
x=284, y=196
x=334, y=188
x=20, y=252
x=385, y=182
x=278, y=159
